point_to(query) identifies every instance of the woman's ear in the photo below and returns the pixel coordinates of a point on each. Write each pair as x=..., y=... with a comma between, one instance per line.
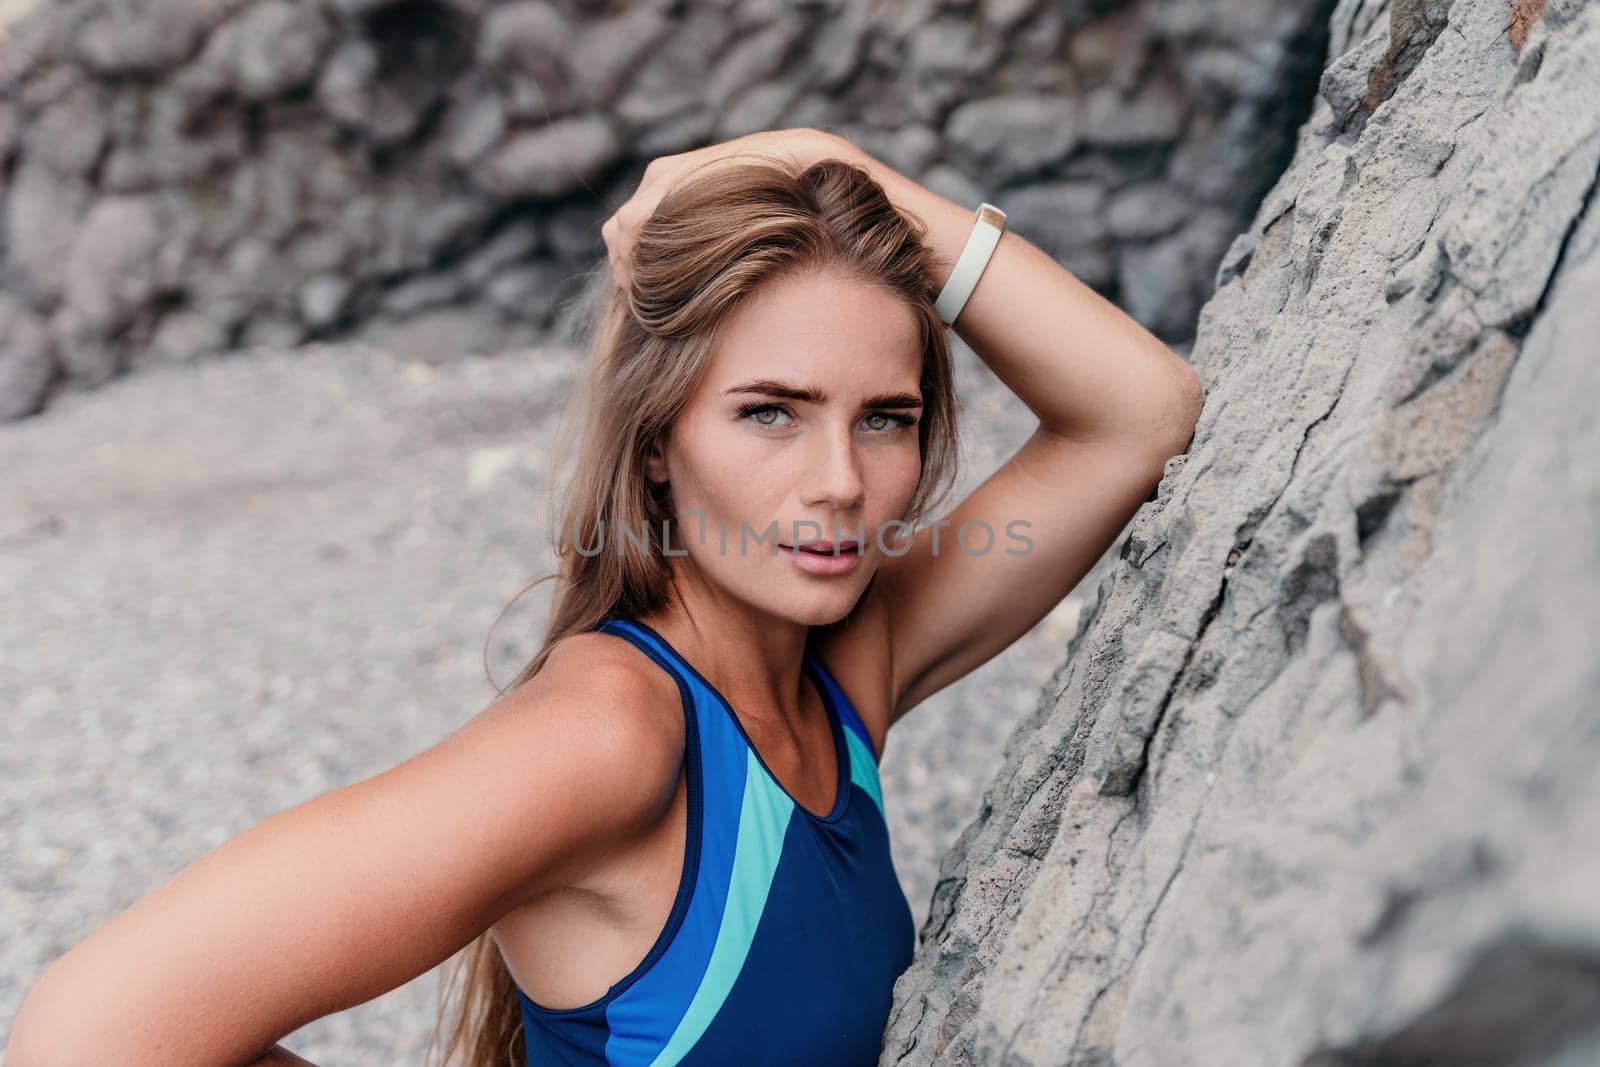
x=655, y=464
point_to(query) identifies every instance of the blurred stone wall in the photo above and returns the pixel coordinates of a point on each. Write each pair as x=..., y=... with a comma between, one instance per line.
x=12, y=10
x=180, y=178
x=1315, y=782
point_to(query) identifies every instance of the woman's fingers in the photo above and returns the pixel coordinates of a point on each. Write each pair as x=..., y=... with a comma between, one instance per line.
x=622, y=229
x=609, y=233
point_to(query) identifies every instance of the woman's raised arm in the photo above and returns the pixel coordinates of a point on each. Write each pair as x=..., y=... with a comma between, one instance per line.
x=351, y=894
x=1114, y=404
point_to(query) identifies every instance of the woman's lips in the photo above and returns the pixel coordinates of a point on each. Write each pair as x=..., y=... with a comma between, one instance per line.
x=820, y=558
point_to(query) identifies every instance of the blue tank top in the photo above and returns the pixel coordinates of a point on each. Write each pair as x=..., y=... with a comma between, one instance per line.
x=789, y=928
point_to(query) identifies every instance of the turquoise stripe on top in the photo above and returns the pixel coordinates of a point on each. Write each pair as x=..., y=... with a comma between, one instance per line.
x=640, y=1016
x=863, y=769
x=763, y=822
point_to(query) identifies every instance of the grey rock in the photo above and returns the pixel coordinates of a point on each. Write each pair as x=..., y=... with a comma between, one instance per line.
x=474, y=125
x=1067, y=220
x=1014, y=135
x=607, y=51
x=526, y=44
x=1313, y=781
x=1004, y=14
x=10, y=127
x=1159, y=279
x=1154, y=115
x=954, y=184
x=520, y=239
x=361, y=7
x=760, y=108
x=454, y=221
x=319, y=251
x=422, y=292
x=171, y=146
x=531, y=292
x=1145, y=210
x=323, y=299
x=910, y=149
x=1112, y=49
x=70, y=133
x=755, y=58
x=527, y=35
x=1116, y=170
x=436, y=335
x=26, y=366
x=552, y=160
x=108, y=276
x=574, y=236
x=81, y=349
x=950, y=49
x=274, y=331
x=839, y=48
x=142, y=36
x=680, y=133
x=183, y=335
x=271, y=47
x=350, y=89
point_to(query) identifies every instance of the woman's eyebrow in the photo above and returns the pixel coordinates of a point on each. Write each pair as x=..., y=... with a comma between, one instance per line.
x=773, y=387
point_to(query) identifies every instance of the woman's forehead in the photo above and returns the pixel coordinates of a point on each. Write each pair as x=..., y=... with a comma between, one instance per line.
x=820, y=324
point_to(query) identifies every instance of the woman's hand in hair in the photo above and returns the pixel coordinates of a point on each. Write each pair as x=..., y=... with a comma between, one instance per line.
x=802, y=144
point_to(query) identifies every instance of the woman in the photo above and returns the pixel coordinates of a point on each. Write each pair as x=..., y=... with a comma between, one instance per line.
x=665, y=843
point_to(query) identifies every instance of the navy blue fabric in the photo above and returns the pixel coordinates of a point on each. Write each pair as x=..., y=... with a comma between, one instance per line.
x=789, y=927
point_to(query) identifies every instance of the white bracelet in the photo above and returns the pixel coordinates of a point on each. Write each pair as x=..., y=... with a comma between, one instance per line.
x=986, y=230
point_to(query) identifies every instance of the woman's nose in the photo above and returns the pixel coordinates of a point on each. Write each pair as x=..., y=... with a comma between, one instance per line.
x=836, y=478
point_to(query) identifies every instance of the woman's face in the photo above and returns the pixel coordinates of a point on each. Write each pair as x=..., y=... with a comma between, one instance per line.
x=756, y=470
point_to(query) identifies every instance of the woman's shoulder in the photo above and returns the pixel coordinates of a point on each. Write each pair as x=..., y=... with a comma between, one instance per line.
x=615, y=692
x=600, y=740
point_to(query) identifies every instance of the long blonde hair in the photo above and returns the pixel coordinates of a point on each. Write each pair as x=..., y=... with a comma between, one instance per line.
x=715, y=238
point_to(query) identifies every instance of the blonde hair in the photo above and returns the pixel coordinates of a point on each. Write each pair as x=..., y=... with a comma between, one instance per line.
x=715, y=238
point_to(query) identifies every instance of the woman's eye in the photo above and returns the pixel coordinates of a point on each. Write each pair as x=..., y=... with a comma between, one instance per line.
x=892, y=422
x=760, y=413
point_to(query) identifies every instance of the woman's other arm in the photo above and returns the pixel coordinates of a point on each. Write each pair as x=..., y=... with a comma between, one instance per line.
x=353, y=893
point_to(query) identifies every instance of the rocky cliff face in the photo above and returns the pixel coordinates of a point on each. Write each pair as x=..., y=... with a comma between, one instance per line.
x=178, y=178
x=1316, y=781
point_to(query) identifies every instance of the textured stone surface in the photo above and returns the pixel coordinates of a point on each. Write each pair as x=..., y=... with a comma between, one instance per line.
x=1315, y=784
x=279, y=168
